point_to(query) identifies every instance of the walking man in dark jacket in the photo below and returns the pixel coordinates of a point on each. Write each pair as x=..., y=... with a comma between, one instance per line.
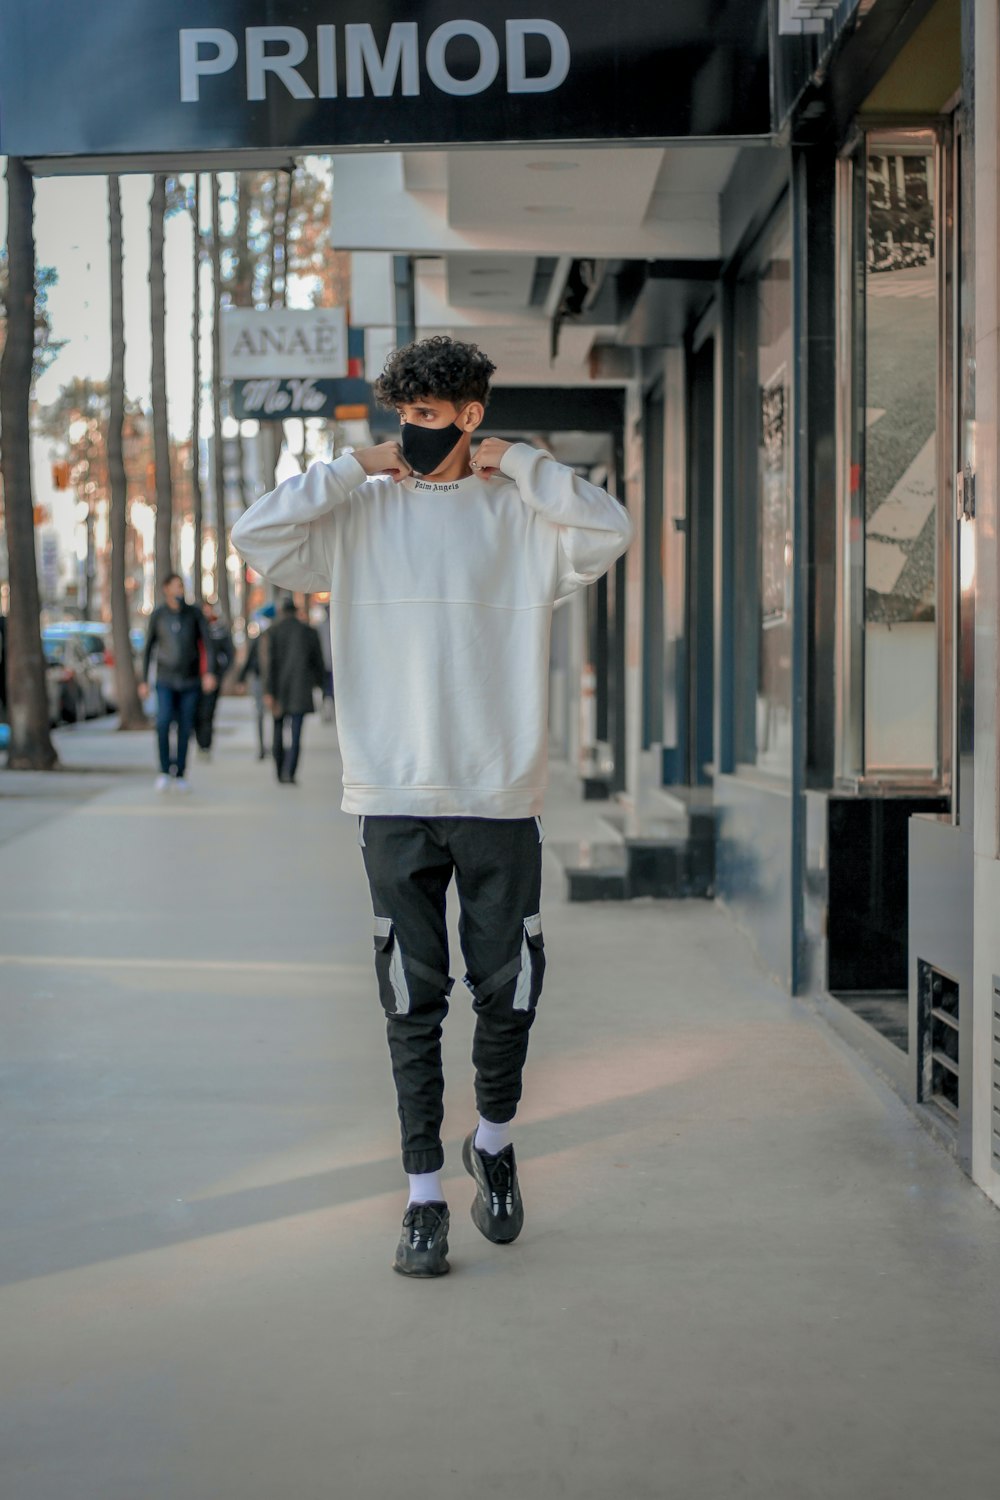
x=295, y=667
x=176, y=631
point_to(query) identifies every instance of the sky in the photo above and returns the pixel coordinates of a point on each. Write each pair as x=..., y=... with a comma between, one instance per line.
x=71, y=234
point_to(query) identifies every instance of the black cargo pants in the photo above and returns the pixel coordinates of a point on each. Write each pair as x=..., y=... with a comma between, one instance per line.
x=497, y=864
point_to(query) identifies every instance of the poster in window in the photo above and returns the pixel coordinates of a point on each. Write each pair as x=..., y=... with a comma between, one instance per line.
x=774, y=507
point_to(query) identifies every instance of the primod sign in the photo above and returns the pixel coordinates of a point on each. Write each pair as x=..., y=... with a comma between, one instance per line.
x=278, y=52
x=171, y=78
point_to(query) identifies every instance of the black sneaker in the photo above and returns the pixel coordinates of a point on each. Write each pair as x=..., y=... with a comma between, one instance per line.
x=423, y=1243
x=497, y=1210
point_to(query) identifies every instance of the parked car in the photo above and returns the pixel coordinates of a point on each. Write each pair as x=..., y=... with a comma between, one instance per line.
x=74, y=686
x=96, y=637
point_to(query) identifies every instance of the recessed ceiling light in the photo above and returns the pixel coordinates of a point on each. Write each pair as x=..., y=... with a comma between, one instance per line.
x=549, y=208
x=552, y=166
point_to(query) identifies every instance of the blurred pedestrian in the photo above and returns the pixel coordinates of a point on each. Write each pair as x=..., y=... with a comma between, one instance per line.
x=3, y=667
x=222, y=642
x=177, y=631
x=294, y=669
x=254, y=670
x=320, y=620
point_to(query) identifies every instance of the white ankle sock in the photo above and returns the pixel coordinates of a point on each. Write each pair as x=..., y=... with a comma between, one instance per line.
x=425, y=1187
x=492, y=1138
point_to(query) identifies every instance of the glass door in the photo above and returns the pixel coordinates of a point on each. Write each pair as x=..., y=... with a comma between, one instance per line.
x=763, y=508
x=895, y=482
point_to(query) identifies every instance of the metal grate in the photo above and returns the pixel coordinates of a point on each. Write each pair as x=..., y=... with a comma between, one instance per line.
x=939, y=1042
x=995, y=1117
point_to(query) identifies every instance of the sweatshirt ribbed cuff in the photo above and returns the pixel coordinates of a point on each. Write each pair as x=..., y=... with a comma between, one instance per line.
x=517, y=459
x=349, y=471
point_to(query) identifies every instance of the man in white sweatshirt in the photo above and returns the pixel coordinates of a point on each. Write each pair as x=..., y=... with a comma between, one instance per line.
x=443, y=568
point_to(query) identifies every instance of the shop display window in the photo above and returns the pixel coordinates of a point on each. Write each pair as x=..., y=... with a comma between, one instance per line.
x=763, y=504
x=893, y=406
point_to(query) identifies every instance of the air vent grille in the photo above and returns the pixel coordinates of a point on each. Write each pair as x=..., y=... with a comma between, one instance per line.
x=939, y=1042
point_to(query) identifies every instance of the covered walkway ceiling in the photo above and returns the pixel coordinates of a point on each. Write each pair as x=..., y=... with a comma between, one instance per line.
x=619, y=201
x=506, y=241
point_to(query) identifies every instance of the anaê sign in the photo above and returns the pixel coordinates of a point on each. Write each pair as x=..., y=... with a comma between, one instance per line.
x=286, y=342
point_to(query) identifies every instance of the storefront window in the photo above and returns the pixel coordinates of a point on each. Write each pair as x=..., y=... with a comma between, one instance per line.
x=763, y=656
x=890, y=679
x=900, y=468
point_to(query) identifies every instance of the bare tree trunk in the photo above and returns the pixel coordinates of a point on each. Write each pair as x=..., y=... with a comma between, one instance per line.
x=279, y=238
x=158, y=380
x=31, y=747
x=196, y=496
x=242, y=285
x=272, y=242
x=130, y=711
x=91, y=565
x=286, y=218
x=221, y=535
x=241, y=291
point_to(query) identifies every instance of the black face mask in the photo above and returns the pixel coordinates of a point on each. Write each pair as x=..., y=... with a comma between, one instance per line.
x=426, y=448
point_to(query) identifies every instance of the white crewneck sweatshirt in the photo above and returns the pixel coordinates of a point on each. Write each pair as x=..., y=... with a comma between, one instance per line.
x=441, y=599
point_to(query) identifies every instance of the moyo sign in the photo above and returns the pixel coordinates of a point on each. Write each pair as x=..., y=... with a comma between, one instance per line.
x=274, y=400
x=284, y=342
x=232, y=75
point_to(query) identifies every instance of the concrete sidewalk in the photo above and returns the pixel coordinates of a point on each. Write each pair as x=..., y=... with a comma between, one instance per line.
x=746, y=1270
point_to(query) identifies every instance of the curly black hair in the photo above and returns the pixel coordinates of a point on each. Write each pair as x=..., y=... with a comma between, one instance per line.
x=439, y=367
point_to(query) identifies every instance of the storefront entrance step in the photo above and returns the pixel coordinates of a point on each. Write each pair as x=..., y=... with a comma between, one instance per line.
x=594, y=871
x=596, y=788
x=671, y=868
x=596, y=885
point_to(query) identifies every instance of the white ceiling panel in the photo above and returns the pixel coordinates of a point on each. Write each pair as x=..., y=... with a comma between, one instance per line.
x=492, y=300
x=372, y=291
x=580, y=448
x=434, y=304
x=521, y=351
x=425, y=171
x=695, y=169
x=500, y=281
x=614, y=203
x=610, y=187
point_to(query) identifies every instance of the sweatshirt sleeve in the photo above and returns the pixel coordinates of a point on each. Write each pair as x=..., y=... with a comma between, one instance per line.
x=287, y=535
x=593, y=528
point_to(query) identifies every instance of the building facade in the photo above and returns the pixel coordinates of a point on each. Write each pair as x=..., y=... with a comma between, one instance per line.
x=810, y=664
x=746, y=274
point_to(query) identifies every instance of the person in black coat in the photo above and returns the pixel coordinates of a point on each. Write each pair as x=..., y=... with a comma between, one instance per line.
x=294, y=669
x=254, y=672
x=222, y=645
